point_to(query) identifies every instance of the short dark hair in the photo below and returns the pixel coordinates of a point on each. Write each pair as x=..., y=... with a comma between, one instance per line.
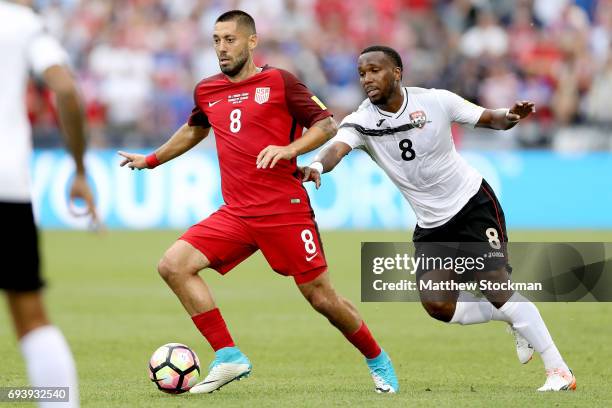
x=240, y=17
x=388, y=51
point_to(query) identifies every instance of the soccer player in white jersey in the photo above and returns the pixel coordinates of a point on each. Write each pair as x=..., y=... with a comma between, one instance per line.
x=26, y=47
x=407, y=132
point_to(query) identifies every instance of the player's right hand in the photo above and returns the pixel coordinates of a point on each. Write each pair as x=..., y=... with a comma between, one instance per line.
x=310, y=174
x=80, y=189
x=520, y=110
x=133, y=160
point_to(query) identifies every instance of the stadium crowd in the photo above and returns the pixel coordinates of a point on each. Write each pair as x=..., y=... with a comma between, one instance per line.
x=138, y=60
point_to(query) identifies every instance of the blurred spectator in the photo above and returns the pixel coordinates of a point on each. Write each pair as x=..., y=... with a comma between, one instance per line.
x=602, y=32
x=500, y=87
x=125, y=75
x=548, y=11
x=458, y=16
x=485, y=38
x=597, y=106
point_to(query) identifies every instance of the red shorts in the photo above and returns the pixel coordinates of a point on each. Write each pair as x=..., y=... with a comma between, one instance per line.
x=289, y=242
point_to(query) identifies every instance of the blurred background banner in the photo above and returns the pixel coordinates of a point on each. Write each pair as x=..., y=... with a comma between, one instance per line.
x=538, y=189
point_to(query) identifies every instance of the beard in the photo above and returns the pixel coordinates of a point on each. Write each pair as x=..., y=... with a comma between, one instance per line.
x=381, y=99
x=234, y=69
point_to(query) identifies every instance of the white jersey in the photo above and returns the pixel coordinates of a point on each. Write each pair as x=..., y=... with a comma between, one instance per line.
x=414, y=146
x=24, y=48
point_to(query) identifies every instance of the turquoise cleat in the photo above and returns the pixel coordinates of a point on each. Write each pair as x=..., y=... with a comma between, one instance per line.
x=383, y=373
x=229, y=364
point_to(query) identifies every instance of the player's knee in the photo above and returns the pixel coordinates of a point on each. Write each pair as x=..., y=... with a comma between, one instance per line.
x=169, y=269
x=164, y=268
x=320, y=301
x=442, y=311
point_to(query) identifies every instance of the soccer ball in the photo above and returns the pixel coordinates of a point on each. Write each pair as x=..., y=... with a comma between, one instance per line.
x=174, y=368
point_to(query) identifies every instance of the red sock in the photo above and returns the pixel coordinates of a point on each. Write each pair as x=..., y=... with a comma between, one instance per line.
x=213, y=327
x=363, y=340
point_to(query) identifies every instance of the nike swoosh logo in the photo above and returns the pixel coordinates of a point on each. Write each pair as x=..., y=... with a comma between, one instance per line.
x=309, y=258
x=210, y=104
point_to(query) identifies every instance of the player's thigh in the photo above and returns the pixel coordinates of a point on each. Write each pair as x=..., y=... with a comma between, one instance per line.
x=484, y=240
x=485, y=222
x=19, y=251
x=291, y=244
x=220, y=241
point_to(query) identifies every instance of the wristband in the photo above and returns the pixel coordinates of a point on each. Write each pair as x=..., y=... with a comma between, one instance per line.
x=152, y=161
x=318, y=166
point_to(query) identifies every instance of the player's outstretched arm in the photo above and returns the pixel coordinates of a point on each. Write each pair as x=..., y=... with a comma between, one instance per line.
x=60, y=81
x=182, y=140
x=324, y=162
x=504, y=119
x=319, y=133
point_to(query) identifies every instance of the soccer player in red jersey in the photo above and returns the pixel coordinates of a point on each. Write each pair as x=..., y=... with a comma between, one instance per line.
x=257, y=115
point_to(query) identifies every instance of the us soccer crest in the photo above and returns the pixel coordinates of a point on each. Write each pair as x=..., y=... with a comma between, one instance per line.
x=418, y=119
x=262, y=95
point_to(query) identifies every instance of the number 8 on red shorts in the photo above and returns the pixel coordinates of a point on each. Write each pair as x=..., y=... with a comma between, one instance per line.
x=290, y=242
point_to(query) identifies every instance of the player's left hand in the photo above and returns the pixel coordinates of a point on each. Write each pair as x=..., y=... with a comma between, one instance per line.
x=310, y=174
x=520, y=110
x=272, y=154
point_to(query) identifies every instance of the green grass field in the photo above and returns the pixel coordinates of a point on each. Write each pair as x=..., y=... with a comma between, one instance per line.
x=106, y=295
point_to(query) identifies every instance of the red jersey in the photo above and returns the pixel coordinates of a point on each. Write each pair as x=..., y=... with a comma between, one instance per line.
x=269, y=108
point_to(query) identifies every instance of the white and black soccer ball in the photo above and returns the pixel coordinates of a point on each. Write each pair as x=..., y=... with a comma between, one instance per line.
x=174, y=368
